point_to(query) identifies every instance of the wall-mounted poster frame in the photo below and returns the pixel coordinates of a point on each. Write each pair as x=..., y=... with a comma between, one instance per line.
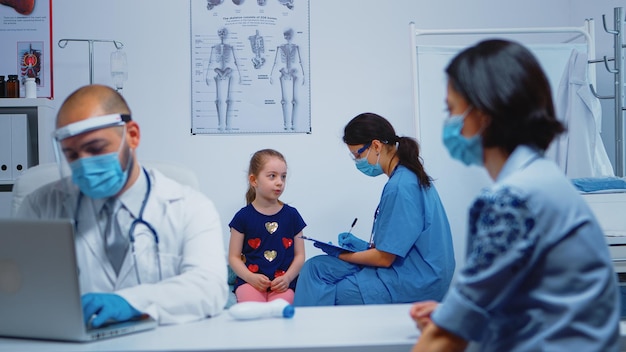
x=250, y=66
x=26, y=43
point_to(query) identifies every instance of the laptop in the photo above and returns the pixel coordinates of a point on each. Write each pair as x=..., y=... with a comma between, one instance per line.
x=39, y=288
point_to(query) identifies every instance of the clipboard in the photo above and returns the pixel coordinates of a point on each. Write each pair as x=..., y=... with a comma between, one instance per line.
x=323, y=243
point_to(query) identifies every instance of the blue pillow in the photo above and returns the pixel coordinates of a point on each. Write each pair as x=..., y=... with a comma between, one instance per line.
x=592, y=184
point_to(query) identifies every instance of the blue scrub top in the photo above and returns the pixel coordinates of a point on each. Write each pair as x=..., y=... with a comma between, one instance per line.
x=411, y=223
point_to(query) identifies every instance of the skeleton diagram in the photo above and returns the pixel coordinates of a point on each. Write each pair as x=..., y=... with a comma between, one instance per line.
x=258, y=48
x=212, y=3
x=287, y=3
x=220, y=60
x=289, y=57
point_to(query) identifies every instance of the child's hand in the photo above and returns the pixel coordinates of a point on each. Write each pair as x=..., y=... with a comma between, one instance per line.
x=260, y=282
x=421, y=311
x=280, y=284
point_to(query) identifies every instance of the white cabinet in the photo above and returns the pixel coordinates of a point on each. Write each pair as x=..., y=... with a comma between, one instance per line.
x=609, y=209
x=26, y=127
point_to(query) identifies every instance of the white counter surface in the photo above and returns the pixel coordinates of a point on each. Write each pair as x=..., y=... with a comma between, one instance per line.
x=347, y=328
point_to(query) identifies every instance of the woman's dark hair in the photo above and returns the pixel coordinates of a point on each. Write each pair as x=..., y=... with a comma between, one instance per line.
x=368, y=126
x=257, y=161
x=504, y=80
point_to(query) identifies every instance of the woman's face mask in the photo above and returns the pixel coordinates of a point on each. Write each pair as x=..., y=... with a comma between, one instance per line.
x=100, y=176
x=368, y=169
x=469, y=151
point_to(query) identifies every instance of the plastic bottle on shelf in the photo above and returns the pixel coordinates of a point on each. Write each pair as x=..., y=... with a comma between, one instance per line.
x=278, y=308
x=12, y=87
x=30, y=88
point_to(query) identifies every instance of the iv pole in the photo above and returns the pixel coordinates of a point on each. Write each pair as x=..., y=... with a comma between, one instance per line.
x=63, y=43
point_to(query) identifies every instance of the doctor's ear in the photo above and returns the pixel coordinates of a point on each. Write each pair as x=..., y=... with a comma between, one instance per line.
x=133, y=134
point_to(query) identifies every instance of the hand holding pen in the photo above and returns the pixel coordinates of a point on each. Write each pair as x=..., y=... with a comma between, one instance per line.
x=348, y=240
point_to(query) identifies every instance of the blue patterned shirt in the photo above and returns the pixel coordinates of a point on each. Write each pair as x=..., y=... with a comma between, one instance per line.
x=538, y=274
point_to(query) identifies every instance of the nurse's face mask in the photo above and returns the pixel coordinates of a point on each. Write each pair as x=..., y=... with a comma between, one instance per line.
x=98, y=175
x=363, y=165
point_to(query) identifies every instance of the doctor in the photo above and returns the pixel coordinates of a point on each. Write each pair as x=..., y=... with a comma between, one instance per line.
x=144, y=243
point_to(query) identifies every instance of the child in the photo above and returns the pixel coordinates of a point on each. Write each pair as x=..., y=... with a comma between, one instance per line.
x=265, y=250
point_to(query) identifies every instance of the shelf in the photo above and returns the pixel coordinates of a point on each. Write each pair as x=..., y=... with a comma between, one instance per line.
x=25, y=102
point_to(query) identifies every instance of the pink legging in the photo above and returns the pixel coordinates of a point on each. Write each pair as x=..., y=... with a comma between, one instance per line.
x=247, y=293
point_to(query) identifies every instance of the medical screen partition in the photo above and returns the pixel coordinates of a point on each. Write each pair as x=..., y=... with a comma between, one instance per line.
x=458, y=184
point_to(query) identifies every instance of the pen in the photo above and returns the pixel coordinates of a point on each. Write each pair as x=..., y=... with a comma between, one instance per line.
x=353, y=223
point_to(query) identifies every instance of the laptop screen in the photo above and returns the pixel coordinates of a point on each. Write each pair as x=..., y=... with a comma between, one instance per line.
x=39, y=287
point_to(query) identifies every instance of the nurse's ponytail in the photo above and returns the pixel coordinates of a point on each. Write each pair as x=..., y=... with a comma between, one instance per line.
x=409, y=156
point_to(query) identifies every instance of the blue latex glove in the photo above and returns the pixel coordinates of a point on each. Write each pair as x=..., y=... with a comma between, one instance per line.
x=348, y=240
x=106, y=307
x=328, y=249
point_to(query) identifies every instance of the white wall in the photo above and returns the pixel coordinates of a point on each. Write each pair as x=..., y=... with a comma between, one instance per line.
x=360, y=61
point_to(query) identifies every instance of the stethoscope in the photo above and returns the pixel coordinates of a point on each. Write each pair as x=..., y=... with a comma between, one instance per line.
x=371, y=242
x=138, y=221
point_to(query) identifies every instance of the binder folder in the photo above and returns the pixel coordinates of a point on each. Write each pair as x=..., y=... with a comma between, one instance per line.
x=19, y=150
x=6, y=132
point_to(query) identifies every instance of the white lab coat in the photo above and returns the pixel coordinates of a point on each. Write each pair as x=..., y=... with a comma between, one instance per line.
x=579, y=152
x=193, y=260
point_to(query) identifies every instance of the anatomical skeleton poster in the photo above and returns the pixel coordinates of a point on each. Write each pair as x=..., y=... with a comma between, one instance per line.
x=250, y=66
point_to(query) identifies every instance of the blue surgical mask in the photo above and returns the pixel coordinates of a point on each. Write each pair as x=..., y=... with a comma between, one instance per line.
x=99, y=176
x=368, y=169
x=467, y=150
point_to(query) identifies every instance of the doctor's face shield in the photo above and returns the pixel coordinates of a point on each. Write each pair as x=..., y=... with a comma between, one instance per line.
x=93, y=151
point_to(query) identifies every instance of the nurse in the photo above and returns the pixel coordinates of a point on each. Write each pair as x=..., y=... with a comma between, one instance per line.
x=410, y=255
x=144, y=243
x=538, y=275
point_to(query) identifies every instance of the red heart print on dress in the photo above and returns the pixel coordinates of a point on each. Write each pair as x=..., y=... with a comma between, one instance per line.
x=287, y=242
x=254, y=242
x=253, y=268
x=279, y=273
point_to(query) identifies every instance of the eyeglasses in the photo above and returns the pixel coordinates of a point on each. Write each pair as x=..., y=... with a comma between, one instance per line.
x=358, y=153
